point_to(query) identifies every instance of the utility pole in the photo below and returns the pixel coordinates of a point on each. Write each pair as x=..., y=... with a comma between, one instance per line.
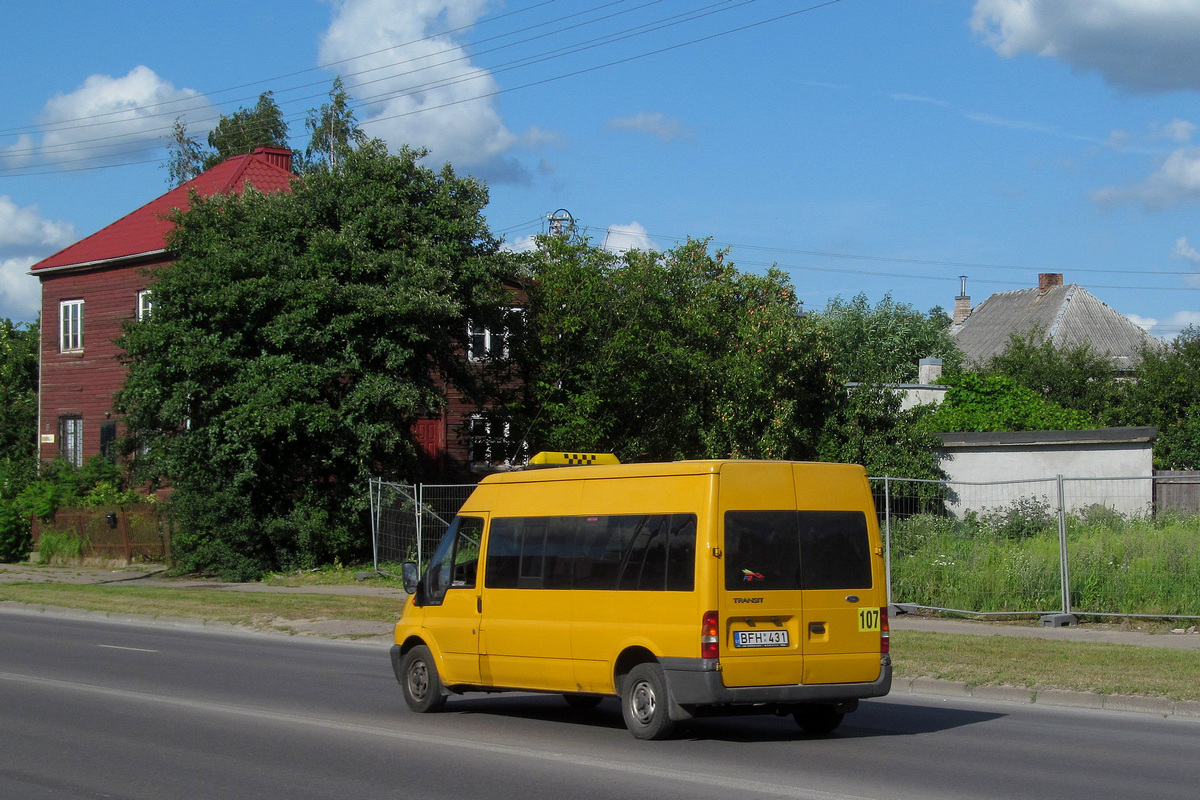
x=556, y=222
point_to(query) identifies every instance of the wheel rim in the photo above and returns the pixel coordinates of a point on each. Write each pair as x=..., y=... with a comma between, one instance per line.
x=418, y=680
x=643, y=703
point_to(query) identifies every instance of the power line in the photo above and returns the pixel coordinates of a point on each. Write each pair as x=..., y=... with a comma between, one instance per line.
x=525, y=61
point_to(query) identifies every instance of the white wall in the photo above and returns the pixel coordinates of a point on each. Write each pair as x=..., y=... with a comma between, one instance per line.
x=1111, y=467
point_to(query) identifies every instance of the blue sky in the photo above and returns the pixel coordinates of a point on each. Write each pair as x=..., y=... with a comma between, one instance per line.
x=877, y=146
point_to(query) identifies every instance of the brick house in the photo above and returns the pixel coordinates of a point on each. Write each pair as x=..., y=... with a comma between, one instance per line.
x=92, y=287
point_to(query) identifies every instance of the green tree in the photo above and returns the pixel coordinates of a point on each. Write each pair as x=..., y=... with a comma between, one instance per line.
x=18, y=390
x=235, y=134
x=239, y=133
x=1166, y=394
x=976, y=402
x=869, y=428
x=1072, y=377
x=885, y=343
x=18, y=432
x=661, y=356
x=185, y=156
x=292, y=345
x=334, y=130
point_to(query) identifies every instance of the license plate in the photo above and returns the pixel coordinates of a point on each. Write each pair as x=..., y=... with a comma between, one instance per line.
x=760, y=638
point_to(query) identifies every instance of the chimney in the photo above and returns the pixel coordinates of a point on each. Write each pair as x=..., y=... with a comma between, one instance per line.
x=962, y=303
x=929, y=370
x=1048, y=280
x=281, y=157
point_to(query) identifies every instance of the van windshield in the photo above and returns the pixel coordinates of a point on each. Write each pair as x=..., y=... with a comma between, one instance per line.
x=767, y=550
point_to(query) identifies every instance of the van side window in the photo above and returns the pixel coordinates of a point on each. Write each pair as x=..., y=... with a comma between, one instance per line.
x=634, y=552
x=454, y=563
x=796, y=550
x=835, y=552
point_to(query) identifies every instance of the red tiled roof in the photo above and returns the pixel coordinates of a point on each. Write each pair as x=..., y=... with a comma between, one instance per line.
x=145, y=230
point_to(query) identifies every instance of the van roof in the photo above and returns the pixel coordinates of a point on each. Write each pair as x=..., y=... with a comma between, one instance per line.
x=653, y=469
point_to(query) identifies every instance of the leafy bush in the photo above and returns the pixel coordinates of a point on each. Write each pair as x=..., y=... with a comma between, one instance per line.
x=15, y=542
x=1023, y=518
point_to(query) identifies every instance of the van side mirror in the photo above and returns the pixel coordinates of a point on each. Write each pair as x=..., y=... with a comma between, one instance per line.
x=410, y=576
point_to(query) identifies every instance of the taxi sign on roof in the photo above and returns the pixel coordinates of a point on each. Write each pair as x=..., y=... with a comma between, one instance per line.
x=548, y=459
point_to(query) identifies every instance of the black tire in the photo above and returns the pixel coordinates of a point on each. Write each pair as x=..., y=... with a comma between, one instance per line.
x=583, y=701
x=818, y=719
x=644, y=703
x=419, y=681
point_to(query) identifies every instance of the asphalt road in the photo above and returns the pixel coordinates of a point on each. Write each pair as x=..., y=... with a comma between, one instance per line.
x=92, y=709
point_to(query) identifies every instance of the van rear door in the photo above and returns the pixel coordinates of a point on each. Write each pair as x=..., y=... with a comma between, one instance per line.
x=840, y=597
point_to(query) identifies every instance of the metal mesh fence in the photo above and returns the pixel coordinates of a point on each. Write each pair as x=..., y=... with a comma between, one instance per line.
x=1092, y=546
x=408, y=520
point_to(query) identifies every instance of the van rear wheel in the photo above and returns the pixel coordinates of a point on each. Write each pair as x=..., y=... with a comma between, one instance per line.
x=818, y=719
x=644, y=703
x=420, y=683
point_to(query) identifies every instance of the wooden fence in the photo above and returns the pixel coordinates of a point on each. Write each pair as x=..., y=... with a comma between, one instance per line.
x=1177, y=490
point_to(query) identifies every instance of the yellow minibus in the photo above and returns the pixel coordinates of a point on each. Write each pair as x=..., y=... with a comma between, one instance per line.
x=685, y=589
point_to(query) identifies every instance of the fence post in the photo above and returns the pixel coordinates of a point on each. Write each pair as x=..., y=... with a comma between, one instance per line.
x=887, y=536
x=420, y=509
x=1065, y=617
x=375, y=506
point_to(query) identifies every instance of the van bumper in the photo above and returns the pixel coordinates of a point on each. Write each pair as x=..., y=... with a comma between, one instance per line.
x=698, y=682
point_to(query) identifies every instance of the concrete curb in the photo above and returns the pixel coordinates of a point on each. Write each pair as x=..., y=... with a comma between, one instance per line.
x=1159, y=706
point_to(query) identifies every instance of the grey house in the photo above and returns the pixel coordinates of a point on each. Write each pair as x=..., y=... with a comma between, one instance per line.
x=1068, y=314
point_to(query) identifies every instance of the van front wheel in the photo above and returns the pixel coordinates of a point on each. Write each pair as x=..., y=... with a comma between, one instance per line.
x=421, y=685
x=644, y=703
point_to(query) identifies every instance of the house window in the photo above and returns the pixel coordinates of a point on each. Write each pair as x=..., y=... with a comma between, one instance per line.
x=490, y=442
x=144, y=303
x=483, y=343
x=70, y=438
x=70, y=313
x=108, y=441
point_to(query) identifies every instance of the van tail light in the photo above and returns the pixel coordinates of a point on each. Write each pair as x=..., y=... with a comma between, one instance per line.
x=709, y=635
x=885, y=632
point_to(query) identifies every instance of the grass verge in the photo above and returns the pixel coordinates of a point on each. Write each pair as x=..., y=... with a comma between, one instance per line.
x=239, y=608
x=1048, y=664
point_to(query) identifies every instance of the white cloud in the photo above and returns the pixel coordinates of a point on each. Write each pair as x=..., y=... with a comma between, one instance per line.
x=628, y=237
x=1168, y=328
x=1178, y=129
x=420, y=90
x=1176, y=181
x=656, y=124
x=522, y=244
x=1185, y=251
x=23, y=231
x=20, y=293
x=116, y=119
x=1138, y=45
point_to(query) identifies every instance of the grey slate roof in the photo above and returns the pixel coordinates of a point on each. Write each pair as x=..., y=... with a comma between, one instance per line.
x=1068, y=314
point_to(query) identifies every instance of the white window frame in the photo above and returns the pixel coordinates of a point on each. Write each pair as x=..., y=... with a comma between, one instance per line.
x=480, y=427
x=145, y=304
x=489, y=340
x=70, y=328
x=70, y=438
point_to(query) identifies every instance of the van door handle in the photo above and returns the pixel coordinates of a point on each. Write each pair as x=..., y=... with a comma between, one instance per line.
x=479, y=604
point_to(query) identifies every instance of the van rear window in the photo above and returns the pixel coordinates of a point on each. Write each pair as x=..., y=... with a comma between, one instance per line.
x=631, y=552
x=796, y=550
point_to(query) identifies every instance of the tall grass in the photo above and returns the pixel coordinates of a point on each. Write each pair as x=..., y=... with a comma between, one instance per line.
x=1008, y=561
x=61, y=545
